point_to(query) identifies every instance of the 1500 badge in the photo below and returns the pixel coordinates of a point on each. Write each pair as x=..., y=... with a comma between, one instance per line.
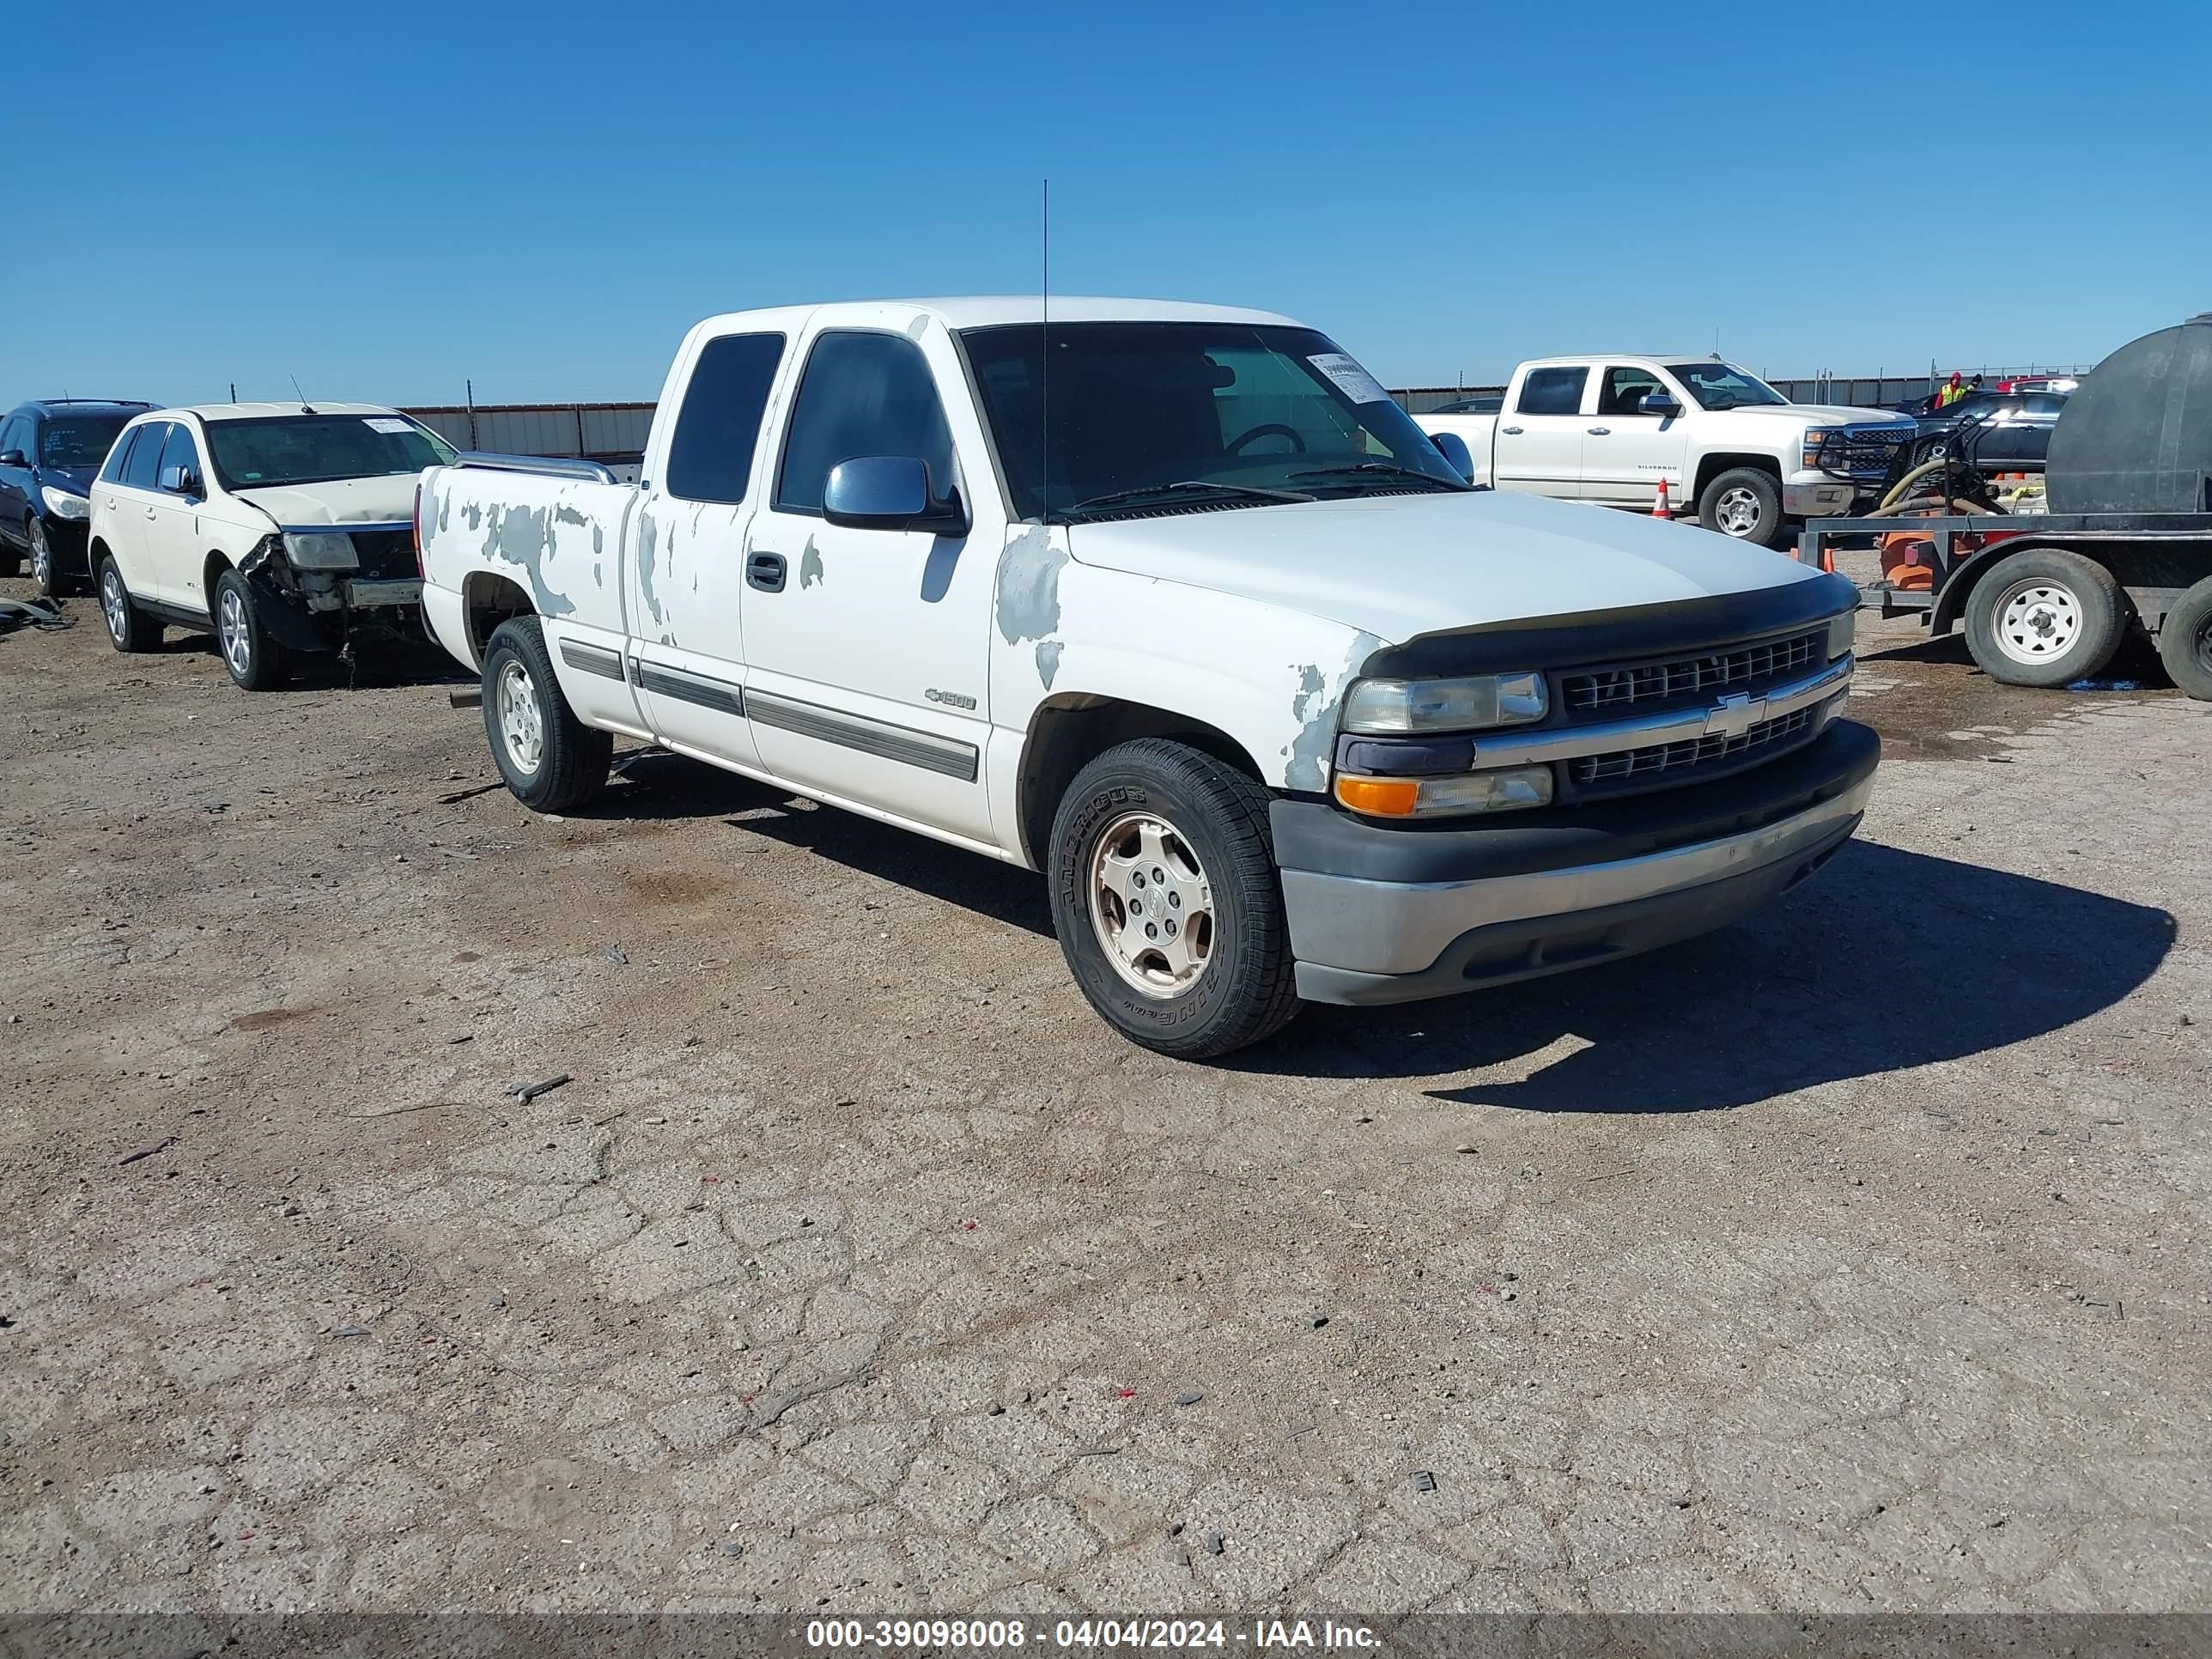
x=950, y=699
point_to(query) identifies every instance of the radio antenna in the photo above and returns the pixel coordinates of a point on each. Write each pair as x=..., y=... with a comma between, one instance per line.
x=1044, y=315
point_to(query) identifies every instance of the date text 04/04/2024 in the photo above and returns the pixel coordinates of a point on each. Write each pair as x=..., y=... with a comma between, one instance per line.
x=999, y=1635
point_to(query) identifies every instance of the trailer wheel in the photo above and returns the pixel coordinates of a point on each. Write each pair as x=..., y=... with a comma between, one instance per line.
x=2046, y=617
x=2185, y=643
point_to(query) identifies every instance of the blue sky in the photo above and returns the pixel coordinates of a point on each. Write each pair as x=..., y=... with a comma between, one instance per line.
x=385, y=200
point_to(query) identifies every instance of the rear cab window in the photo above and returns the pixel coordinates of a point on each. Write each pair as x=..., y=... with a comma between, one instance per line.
x=710, y=455
x=1552, y=391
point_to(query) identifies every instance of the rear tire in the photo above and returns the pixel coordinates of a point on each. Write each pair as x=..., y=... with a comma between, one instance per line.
x=1167, y=901
x=550, y=760
x=255, y=662
x=2185, y=643
x=2046, y=617
x=128, y=629
x=1744, y=504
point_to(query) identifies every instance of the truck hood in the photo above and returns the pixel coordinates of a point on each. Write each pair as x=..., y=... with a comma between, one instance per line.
x=1804, y=414
x=340, y=502
x=1400, y=565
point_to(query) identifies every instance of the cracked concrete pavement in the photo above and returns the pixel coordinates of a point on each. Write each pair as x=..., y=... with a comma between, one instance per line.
x=1854, y=1258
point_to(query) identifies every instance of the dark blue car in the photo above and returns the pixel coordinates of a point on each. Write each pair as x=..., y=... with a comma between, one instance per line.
x=49, y=452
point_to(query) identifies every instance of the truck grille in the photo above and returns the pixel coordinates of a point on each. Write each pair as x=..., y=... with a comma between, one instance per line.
x=1625, y=764
x=1864, y=453
x=1600, y=690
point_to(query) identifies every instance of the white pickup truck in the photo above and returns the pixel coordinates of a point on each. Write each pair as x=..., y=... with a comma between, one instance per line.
x=1174, y=604
x=1747, y=461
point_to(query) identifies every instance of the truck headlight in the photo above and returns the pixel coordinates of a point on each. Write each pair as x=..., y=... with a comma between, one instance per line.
x=320, y=549
x=1810, y=459
x=1842, y=634
x=1386, y=708
x=1501, y=789
x=64, y=505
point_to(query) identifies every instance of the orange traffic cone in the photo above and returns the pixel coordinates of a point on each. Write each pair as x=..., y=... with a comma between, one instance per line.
x=1659, y=507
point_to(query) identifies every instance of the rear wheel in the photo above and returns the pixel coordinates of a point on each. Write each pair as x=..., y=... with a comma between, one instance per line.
x=128, y=629
x=550, y=760
x=1743, y=503
x=1167, y=903
x=2185, y=643
x=256, y=662
x=2046, y=617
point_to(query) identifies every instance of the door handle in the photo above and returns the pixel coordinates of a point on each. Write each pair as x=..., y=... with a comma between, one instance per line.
x=149, y=513
x=1510, y=431
x=765, y=571
x=1600, y=432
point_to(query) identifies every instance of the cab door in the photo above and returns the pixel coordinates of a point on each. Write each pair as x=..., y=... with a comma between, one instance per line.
x=1539, y=439
x=686, y=548
x=869, y=648
x=1626, y=452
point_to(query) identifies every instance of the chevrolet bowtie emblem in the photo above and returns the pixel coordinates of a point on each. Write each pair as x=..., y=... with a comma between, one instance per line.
x=1738, y=713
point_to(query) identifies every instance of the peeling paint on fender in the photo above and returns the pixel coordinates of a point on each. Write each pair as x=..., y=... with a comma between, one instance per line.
x=1047, y=661
x=1029, y=586
x=1314, y=706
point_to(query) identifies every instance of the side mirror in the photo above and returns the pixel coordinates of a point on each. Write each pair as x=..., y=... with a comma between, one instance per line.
x=1664, y=405
x=180, y=481
x=889, y=492
x=13, y=457
x=1453, y=449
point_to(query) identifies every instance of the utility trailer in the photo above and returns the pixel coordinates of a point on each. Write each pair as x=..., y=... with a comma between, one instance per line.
x=2052, y=599
x=2045, y=599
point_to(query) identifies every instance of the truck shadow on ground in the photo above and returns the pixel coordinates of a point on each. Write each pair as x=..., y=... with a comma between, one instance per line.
x=1888, y=959
x=379, y=662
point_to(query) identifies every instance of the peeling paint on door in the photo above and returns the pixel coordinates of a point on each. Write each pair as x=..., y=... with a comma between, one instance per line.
x=810, y=565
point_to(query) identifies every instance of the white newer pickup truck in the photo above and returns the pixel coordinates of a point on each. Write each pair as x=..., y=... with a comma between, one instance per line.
x=1746, y=460
x=1174, y=604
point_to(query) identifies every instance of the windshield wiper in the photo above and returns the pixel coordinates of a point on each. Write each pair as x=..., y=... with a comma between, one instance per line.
x=1147, y=492
x=1390, y=468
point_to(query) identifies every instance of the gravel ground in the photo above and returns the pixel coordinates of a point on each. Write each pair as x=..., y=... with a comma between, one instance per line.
x=1851, y=1258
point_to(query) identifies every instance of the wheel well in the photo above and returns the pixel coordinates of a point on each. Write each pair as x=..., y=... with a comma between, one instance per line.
x=211, y=569
x=1712, y=466
x=1068, y=733
x=96, y=550
x=489, y=600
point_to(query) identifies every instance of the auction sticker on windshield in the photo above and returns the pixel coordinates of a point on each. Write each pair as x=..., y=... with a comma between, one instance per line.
x=1353, y=381
x=387, y=424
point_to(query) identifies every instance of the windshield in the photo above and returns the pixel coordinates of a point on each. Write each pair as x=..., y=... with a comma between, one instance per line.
x=79, y=440
x=1198, y=415
x=1723, y=386
x=297, y=449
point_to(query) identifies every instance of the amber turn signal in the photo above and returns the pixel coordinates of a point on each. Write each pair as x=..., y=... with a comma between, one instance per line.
x=1382, y=797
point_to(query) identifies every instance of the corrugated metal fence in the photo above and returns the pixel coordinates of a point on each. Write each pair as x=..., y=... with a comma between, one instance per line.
x=613, y=433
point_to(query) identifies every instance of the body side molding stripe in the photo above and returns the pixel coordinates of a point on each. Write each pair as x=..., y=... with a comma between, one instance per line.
x=870, y=737
x=591, y=659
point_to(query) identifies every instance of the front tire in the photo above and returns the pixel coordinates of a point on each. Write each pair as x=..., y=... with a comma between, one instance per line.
x=1744, y=504
x=2046, y=617
x=550, y=760
x=255, y=662
x=45, y=568
x=1167, y=901
x=128, y=629
x=2185, y=643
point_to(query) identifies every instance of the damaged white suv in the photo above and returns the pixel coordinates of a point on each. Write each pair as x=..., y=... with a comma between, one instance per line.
x=282, y=526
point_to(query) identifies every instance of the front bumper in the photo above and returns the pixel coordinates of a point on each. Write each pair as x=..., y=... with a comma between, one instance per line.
x=1815, y=495
x=1394, y=913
